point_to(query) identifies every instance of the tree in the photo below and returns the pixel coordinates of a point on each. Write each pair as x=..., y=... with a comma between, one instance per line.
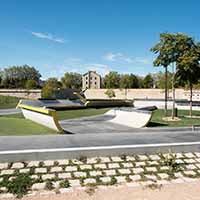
x=72, y=80
x=188, y=69
x=125, y=81
x=51, y=85
x=129, y=81
x=148, y=81
x=112, y=80
x=31, y=84
x=1, y=78
x=159, y=80
x=166, y=50
x=179, y=49
x=16, y=76
x=134, y=81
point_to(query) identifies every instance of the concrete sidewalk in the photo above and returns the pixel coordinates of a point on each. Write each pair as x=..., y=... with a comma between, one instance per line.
x=99, y=144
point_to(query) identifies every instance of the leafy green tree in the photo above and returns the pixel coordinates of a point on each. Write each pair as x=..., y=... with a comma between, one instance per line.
x=188, y=69
x=112, y=80
x=134, y=81
x=50, y=87
x=1, y=78
x=16, y=76
x=166, y=51
x=125, y=81
x=140, y=81
x=148, y=81
x=129, y=81
x=72, y=80
x=159, y=80
x=177, y=49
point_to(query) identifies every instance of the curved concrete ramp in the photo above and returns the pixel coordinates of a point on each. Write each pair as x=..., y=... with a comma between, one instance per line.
x=128, y=117
x=132, y=118
x=43, y=116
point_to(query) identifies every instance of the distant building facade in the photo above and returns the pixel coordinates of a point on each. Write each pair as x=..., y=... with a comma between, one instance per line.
x=91, y=80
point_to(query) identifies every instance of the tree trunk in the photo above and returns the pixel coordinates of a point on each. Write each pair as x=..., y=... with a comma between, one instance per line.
x=190, y=100
x=173, y=92
x=166, y=91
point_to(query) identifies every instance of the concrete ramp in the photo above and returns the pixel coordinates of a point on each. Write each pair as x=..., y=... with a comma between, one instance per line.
x=43, y=116
x=126, y=117
x=130, y=117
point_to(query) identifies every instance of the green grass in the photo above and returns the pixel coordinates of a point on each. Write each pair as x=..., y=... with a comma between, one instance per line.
x=159, y=114
x=17, y=126
x=8, y=102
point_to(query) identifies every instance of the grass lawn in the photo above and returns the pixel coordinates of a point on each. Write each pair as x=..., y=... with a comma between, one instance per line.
x=159, y=114
x=16, y=125
x=8, y=102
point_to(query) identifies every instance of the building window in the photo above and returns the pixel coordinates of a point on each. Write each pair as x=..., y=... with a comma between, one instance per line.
x=90, y=78
x=86, y=82
x=86, y=78
x=95, y=78
x=95, y=82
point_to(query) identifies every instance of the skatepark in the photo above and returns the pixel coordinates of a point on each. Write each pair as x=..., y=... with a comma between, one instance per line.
x=127, y=117
x=118, y=131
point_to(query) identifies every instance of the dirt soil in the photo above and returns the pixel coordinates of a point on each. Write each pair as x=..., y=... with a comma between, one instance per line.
x=181, y=191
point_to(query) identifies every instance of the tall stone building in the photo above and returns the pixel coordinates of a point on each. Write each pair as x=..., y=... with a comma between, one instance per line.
x=91, y=80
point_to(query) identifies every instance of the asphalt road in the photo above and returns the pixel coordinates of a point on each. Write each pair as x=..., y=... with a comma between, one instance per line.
x=102, y=139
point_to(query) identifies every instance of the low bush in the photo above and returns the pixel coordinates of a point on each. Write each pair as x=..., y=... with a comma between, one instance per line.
x=19, y=185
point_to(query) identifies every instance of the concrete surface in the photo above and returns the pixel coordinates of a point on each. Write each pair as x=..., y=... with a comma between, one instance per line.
x=9, y=111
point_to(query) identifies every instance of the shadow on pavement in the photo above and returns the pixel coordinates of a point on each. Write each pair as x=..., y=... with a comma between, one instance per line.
x=155, y=124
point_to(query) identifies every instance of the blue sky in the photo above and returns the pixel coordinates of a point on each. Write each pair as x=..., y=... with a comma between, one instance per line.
x=80, y=35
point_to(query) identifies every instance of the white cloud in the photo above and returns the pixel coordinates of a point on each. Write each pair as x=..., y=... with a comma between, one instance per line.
x=143, y=60
x=120, y=57
x=112, y=57
x=48, y=36
x=100, y=68
x=75, y=65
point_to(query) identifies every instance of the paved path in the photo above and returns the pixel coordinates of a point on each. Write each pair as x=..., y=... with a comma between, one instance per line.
x=96, y=139
x=9, y=111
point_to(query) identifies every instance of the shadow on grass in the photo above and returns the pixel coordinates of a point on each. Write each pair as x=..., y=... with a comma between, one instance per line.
x=155, y=124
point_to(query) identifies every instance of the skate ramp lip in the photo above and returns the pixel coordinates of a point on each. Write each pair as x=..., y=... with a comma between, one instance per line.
x=54, y=103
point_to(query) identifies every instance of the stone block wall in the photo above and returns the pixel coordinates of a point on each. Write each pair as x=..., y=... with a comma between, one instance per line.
x=21, y=93
x=141, y=94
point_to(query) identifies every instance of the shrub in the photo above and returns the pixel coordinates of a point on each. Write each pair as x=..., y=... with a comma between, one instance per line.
x=110, y=93
x=64, y=184
x=50, y=88
x=19, y=185
x=31, y=84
